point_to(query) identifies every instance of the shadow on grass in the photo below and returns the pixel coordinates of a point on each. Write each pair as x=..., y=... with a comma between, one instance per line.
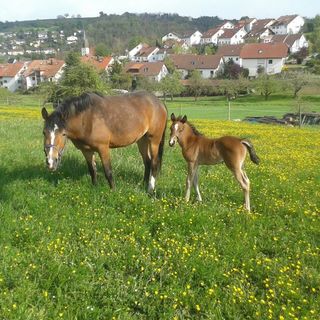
x=72, y=168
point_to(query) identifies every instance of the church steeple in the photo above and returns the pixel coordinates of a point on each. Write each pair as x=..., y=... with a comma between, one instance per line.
x=85, y=50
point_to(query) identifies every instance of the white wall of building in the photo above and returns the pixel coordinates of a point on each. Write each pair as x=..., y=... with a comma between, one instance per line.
x=271, y=66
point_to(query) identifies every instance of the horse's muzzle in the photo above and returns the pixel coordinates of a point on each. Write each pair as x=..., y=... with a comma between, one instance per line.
x=172, y=143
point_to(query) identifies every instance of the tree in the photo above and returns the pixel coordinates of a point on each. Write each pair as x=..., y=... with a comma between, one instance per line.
x=171, y=85
x=170, y=65
x=77, y=79
x=266, y=85
x=101, y=50
x=231, y=88
x=196, y=84
x=297, y=80
x=300, y=55
x=232, y=70
x=119, y=79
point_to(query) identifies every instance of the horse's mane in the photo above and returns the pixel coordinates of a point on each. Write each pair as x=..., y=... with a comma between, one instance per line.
x=194, y=129
x=72, y=107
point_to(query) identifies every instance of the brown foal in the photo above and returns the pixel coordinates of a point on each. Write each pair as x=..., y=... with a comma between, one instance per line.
x=199, y=150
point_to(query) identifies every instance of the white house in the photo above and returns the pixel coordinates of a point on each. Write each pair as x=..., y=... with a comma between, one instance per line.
x=288, y=24
x=146, y=54
x=192, y=38
x=153, y=70
x=232, y=36
x=42, y=70
x=268, y=57
x=295, y=42
x=231, y=52
x=207, y=65
x=211, y=36
x=11, y=75
x=226, y=25
x=170, y=36
x=72, y=39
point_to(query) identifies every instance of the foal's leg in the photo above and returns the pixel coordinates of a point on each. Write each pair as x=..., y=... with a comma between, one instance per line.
x=143, y=145
x=105, y=159
x=192, y=168
x=195, y=184
x=90, y=158
x=244, y=182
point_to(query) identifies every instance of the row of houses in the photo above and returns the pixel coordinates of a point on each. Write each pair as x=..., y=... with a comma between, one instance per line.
x=270, y=57
x=248, y=30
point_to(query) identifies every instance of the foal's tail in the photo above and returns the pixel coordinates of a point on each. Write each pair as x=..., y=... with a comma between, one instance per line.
x=252, y=152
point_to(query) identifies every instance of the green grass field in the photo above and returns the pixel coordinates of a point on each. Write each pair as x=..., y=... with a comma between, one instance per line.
x=69, y=250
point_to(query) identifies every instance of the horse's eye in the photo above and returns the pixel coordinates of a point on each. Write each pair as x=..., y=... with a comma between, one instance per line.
x=64, y=134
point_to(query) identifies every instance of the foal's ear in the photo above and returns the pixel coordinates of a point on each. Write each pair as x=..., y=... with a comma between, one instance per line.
x=184, y=119
x=173, y=117
x=44, y=113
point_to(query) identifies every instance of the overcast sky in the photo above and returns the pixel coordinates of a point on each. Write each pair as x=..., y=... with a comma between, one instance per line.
x=13, y=10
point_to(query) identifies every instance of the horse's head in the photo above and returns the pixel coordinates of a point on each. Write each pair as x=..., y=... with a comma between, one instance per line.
x=54, y=138
x=176, y=128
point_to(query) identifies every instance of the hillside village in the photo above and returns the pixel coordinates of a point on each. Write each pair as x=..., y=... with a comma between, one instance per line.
x=258, y=45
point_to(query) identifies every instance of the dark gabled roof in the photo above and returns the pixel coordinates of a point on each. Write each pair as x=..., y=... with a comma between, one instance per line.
x=193, y=61
x=232, y=50
x=285, y=20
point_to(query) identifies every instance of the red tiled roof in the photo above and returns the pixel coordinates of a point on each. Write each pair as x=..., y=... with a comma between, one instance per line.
x=288, y=39
x=98, y=62
x=264, y=51
x=285, y=20
x=144, y=68
x=210, y=32
x=10, y=69
x=230, y=50
x=229, y=33
x=48, y=68
x=192, y=61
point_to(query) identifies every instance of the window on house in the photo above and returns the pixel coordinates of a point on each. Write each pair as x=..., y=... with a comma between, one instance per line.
x=211, y=73
x=270, y=61
x=33, y=78
x=5, y=81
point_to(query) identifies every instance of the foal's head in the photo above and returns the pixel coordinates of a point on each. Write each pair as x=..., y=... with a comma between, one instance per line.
x=176, y=129
x=54, y=138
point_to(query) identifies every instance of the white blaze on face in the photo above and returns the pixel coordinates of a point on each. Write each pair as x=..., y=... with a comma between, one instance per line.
x=52, y=138
x=173, y=139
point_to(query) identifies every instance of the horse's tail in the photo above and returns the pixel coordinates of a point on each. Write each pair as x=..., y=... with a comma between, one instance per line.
x=161, y=145
x=252, y=152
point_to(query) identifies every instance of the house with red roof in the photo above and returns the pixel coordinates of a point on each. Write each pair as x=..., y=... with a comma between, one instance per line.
x=211, y=36
x=295, y=42
x=290, y=24
x=100, y=63
x=231, y=52
x=232, y=36
x=11, y=75
x=38, y=71
x=207, y=65
x=265, y=56
x=153, y=70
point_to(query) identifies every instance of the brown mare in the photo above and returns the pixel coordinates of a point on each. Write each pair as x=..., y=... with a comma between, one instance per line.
x=96, y=123
x=199, y=150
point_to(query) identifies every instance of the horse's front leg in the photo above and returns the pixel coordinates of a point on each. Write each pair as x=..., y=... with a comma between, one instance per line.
x=89, y=156
x=105, y=159
x=190, y=177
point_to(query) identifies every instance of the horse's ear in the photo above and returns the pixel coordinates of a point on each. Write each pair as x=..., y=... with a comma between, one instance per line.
x=173, y=117
x=184, y=119
x=44, y=113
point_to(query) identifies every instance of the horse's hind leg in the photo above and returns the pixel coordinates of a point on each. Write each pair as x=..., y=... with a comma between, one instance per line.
x=196, y=184
x=143, y=145
x=105, y=159
x=192, y=172
x=89, y=156
x=244, y=182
